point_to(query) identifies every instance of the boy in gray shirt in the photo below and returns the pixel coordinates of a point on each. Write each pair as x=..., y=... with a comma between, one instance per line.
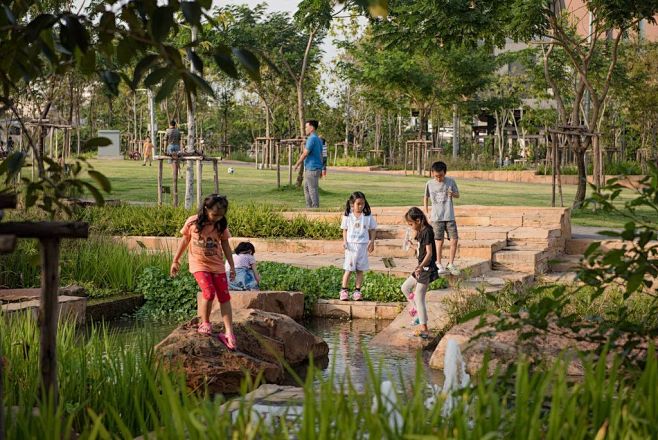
x=441, y=190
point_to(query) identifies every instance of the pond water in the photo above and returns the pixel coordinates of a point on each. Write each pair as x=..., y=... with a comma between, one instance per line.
x=347, y=340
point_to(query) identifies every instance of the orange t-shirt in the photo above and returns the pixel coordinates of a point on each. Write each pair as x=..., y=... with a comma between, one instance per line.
x=205, y=249
x=148, y=148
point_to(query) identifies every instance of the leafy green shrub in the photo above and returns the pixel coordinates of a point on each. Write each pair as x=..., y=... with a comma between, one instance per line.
x=248, y=220
x=325, y=283
x=350, y=161
x=623, y=168
x=166, y=297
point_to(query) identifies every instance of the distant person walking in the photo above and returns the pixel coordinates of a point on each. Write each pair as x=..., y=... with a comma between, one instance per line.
x=172, y=137
x=148, y=151
x=312, y=158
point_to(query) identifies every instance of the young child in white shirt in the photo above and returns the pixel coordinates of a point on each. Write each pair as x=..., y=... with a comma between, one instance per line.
x=359, y=234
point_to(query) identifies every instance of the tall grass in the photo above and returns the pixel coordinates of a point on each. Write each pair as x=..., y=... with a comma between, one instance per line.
x=113, y=388
x=245, y=220
x=99, y=263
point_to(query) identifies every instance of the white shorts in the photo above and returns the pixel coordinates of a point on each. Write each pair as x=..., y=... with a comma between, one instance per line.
x=356, y=257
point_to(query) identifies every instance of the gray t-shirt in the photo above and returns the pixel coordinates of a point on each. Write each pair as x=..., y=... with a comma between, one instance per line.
x=442, y=206
x=173, y=136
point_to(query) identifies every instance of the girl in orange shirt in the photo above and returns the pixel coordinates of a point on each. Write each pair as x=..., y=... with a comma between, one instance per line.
x=205, y=237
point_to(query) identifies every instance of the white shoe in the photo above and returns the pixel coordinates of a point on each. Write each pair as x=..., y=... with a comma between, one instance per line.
x=442, y=270
x=452, y=269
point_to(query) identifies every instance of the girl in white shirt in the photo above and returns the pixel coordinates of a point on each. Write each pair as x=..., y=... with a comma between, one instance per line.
x=358, y=227
x=246, y=274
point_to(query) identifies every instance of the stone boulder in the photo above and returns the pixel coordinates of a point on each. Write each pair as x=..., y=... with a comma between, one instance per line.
x=265, y=341
x=505, y=347
x=286, y=303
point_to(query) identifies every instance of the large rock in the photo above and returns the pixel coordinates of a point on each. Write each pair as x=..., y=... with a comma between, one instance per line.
x=286, y=303
x=505, y=346
x=265, y=341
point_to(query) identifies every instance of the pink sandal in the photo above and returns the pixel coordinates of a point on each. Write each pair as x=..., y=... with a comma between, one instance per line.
x=205, y=328
x=229, y=341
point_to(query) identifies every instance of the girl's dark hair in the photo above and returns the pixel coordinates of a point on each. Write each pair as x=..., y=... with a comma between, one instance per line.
x=415, y=214
x=357, y=195
x=244, y=248
x=208, y=203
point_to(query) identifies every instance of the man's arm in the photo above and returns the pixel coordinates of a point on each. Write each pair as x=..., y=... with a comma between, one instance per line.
x=301, y=158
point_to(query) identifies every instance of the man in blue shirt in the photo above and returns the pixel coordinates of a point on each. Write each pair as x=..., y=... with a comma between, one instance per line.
x=312, y=158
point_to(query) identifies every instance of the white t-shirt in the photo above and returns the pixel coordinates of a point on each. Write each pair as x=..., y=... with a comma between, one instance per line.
x=358, y=227
x=244, y=261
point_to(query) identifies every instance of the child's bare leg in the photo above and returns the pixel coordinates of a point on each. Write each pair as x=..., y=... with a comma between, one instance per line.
x=359, y=279
x=204, y=307
x=439, y=251
x=453, y=249
x=346, y=279
x=227, y=316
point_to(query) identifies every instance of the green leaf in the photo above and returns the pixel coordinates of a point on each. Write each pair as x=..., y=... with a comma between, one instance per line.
x=202, y=84
x=192, y=12
x=141, y=68
x=107, y=27
x=195, y=60
x=97, y=142
x=87, y=62
x=156, y=76
x=111, y=80
x=101, y=179
x=223, y=59
x=126, y=49
x=161, y=22
x=98, y=197
x=12, y=165
x=249, y=62
x=167, y=87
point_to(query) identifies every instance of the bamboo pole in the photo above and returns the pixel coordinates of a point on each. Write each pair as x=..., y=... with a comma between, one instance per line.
x=199, y=169
x=289, y=164
x=48, y=315
x=216, y=175
x=160, y=165
x=174, y=186
x=278, y=166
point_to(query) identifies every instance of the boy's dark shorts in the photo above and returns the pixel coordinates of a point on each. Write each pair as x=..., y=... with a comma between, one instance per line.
x=449, y=229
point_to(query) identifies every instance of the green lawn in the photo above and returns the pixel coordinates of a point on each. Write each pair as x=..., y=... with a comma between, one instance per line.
x=131, y=181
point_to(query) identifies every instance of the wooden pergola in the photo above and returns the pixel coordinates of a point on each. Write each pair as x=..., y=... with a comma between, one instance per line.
x=267, y=147
x=290, y=144
x=49, y=235
x=176, y=160
x=420, y=152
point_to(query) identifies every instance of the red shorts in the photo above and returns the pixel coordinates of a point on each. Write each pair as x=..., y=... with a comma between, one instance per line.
x=213, y=284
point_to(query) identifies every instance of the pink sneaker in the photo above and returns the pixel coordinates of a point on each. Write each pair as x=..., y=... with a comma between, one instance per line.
x=356, y=295
x=344, y=295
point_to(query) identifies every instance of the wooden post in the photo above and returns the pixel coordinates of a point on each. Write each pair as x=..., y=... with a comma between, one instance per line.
x=289, y=164
x=256, y=152
x=278, y=166
x=406, y=155
x=174, y=187
x=554, y=167
x=216, y=175
x=160, y=165
x=199, y=180
x=48, y=315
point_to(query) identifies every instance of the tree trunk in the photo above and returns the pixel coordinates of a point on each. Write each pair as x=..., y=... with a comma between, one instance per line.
x=191, y=132
x=582, y=178
x=455, y=131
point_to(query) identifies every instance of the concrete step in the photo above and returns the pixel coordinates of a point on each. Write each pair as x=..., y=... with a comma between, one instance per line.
x=529, y=261
x=559, y=278
x=403, y=266
x=70, y=307
x=565, y=263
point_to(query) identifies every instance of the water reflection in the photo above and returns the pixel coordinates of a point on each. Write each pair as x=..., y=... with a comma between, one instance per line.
x=347, y=341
